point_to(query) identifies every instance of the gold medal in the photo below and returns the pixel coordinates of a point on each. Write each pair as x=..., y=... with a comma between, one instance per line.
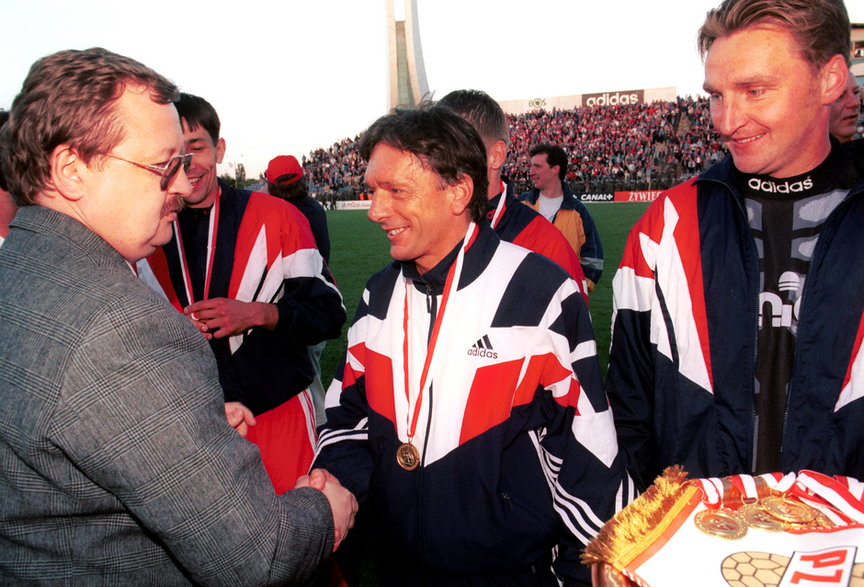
x=408, y=456
x=755, y=516
x=822, y=521
x=788, y=510
x=724, y=524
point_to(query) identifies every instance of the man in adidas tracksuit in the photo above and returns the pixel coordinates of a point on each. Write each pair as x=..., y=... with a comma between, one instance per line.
x=471, y=425
x=244, y=267
x=736, y=344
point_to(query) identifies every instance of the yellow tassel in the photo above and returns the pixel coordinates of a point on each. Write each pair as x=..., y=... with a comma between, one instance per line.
x=641, y=523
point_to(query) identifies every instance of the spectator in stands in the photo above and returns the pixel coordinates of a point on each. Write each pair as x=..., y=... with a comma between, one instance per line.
x=511, y=221
x=552, y=198
x=846, y=111
x=8, y=207
x=637, y=146
x=285, y=180
x=736, y=343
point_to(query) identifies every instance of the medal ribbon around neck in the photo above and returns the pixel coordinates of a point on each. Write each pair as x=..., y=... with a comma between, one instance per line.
x=455, y=270
x=212, y=231
x=499, y=210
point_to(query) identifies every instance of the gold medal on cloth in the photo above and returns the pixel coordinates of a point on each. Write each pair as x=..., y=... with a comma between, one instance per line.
x=755, y=516
x=408, y=456
x=788, y=510
x=721, y=523
x=821, y=521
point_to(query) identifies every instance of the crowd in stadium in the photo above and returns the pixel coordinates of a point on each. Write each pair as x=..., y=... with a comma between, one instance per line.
x=638, y=146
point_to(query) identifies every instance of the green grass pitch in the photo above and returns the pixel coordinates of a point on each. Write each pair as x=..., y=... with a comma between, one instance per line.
x=359, y=248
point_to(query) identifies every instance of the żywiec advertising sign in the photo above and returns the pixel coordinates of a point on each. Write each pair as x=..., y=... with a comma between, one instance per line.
x=643, y=196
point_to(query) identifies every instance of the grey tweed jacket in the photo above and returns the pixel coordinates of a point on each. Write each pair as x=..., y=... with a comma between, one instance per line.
x=116, y=463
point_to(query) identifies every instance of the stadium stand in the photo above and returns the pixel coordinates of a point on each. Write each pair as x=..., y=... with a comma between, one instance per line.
x=633, y=147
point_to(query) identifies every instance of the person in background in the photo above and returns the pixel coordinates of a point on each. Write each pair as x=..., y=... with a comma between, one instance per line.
x=8, y=207
x=846, y=111
x=285, y=180
x=512, y=222
x=243, y=267
x=552, y=198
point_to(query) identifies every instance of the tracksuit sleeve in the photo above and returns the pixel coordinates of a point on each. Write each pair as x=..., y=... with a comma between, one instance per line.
x=310, y=309
x=630, y=378
x=591, y=253
x=343, y=442
x=578, y=448
x=143, y=418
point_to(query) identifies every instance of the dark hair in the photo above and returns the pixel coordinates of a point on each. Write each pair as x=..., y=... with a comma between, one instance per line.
x=555, y=155
x=484, y=113
x=69, y=98
x=198, y=112
x=4, y=118
x=295, y=190
x=443, y=141
x=821, y=27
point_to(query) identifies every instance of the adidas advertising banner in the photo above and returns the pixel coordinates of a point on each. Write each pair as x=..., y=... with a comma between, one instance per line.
x=627, y=98
x=643, y=196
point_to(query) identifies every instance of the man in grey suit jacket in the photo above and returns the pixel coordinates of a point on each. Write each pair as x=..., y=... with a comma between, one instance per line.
x=116, y=462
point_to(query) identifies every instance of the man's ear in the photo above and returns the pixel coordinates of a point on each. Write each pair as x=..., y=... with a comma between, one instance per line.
x=461, y=194
x=832, y=79
x=496, y=155
x=220, y=149
x=68, y=171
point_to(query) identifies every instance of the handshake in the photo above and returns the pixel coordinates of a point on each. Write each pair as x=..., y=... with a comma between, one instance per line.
x=342, y=502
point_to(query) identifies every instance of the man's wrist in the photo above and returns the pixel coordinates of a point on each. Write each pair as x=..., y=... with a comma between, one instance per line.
x=267, y=315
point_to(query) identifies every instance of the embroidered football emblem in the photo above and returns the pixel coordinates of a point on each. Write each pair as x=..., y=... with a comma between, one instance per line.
x=764, y=569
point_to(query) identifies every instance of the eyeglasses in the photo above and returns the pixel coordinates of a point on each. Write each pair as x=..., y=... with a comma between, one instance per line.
x=168, y=172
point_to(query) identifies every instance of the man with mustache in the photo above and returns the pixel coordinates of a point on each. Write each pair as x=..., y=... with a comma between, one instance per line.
x=117, y=464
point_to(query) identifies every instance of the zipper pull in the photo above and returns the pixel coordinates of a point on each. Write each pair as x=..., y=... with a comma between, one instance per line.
x=429, y=298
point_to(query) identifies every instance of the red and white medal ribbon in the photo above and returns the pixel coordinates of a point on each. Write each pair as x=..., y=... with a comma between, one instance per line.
x=212, y=231
x=833, y=492
x=415, y=400
x=502, y=206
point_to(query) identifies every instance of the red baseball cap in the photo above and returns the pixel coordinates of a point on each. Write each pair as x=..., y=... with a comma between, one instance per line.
x=281, y=166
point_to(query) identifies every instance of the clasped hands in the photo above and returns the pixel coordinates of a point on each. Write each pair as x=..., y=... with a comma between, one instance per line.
x=342, y=502
x=221, y=317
